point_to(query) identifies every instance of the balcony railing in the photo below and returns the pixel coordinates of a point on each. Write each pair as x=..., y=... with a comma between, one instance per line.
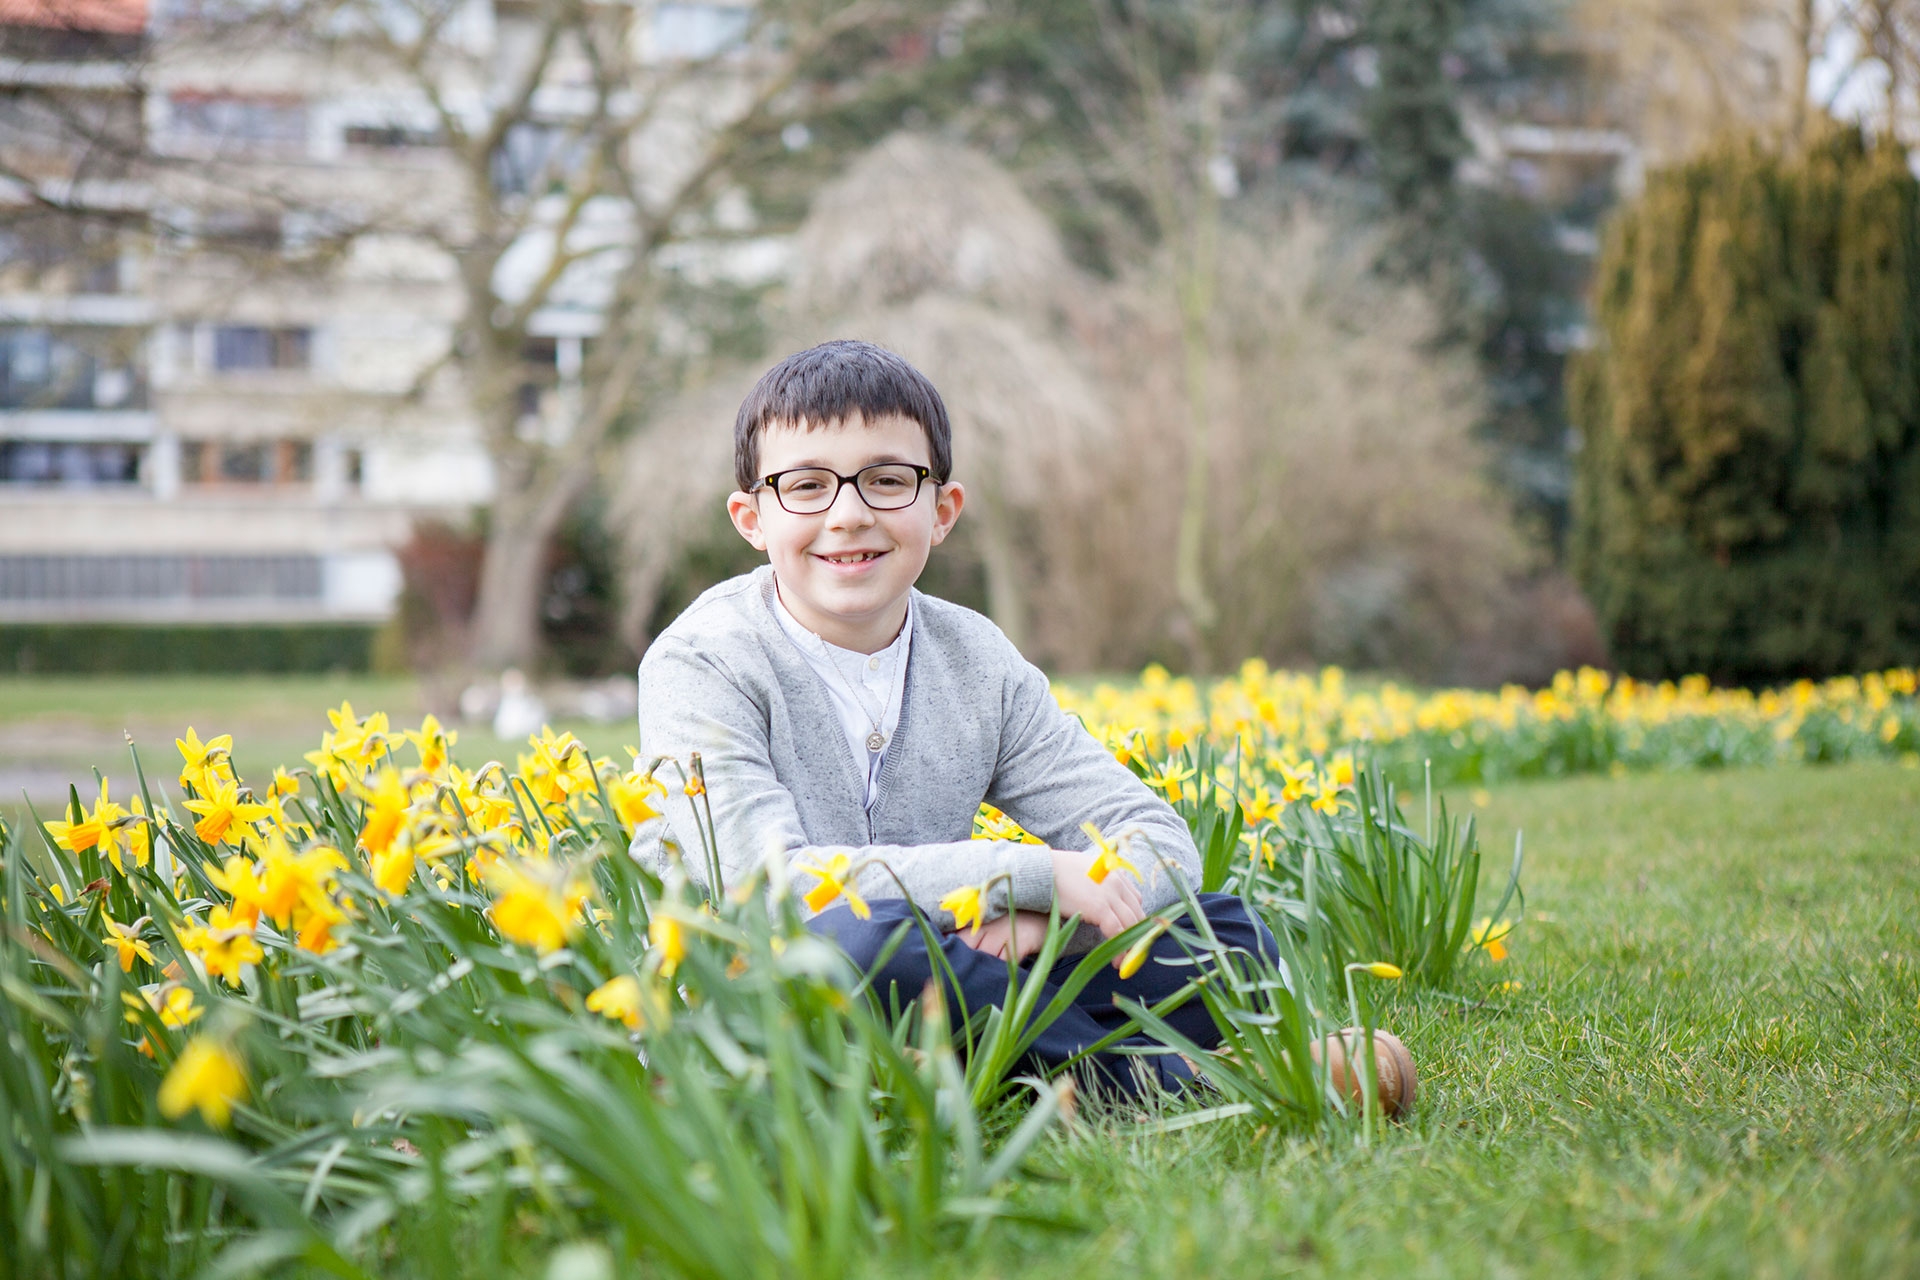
x=104, y=579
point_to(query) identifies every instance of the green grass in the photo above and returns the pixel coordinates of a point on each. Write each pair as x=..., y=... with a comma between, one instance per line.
x=1708, y=1069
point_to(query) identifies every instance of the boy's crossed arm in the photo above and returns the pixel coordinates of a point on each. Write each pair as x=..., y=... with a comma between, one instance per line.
x=1051, y=776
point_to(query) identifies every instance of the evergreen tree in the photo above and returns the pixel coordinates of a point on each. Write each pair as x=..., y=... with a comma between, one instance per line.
x=1748, y=493
x=1413, y=118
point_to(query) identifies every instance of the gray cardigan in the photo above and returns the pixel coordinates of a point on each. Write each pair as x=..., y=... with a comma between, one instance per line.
x=977, y=722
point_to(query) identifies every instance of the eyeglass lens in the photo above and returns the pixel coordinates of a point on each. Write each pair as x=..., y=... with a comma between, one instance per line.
x=885, y=487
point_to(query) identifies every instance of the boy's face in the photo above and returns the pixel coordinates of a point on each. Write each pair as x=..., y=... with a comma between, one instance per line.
x=844, y=573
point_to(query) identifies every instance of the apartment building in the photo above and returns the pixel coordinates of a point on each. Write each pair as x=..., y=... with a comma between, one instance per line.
x=215, y=407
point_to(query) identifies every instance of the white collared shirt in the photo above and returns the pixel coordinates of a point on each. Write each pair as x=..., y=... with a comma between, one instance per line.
x=880, y=679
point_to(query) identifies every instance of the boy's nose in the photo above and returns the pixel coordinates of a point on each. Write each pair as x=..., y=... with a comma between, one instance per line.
x=849, y=509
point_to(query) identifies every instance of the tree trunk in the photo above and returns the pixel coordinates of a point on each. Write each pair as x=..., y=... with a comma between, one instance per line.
x=1006, y=603
x=513, y=573
x=506, y=616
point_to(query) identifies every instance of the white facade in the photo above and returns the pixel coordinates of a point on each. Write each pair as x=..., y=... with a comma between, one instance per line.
x=231, y=434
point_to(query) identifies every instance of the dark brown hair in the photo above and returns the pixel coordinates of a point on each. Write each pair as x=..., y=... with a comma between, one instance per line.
x=831, y=383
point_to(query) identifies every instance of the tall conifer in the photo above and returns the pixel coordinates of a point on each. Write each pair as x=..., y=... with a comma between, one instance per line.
x=1748, y=496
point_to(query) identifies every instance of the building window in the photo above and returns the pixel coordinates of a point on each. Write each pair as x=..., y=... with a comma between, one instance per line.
x=239, y=123
x=57, y=253
x=389, y=137
x=240, y=229
x=52, y=369
x=70, y=464
x=242, y=347
x=533, y=155
x=689, y=31
x=295, y=465
x=246, y=463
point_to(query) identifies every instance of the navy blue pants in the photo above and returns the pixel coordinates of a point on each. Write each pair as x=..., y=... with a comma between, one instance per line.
x=982, y=981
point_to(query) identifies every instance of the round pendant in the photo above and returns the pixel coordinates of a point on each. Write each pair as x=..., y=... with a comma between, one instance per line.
x=876, y=740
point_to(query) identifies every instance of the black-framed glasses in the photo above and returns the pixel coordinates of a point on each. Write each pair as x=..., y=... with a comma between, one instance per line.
x=884, y=486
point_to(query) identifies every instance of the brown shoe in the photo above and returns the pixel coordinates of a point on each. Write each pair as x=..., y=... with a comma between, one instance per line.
x=1393, y=1067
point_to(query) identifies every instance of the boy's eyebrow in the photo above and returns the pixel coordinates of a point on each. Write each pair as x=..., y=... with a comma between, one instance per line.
x=872, y=459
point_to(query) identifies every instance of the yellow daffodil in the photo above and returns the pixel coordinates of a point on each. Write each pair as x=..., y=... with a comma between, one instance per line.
x=220, y=807
x=386, y=814
x=207, y=1077
x=1259, y=846
x=1381, y=969
x=239, y=878
x=204, y=760
x=1328, y=800
x=618, y=998
x=669, y=938
x=361, y=742
x=102, y=829
x=1108, y=857
x=835, y=881
x=532, y=906
x=1261, y=806
x=558, y=769
x=352, y=747
x=991, y=824
x=224, y=944
x=1299, y=782
x=283, y=784
x=77, y=836
x=1170, y=778
x=125, y=940
x=1137, y=953
x=296, y=883
x=967, y=904
x=315, y=931
x=392, y=868
x=328, y=765
x=481, y=796
x=630, y=793
x=1489, y=936
x=139, y=830
x=293, y=889
x=170, y=1001
x=434, y=744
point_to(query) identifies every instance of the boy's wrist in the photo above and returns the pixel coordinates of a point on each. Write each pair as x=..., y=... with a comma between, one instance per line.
x=1031, y=867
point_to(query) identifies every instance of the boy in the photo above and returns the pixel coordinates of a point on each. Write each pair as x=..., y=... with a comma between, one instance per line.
x=837, y=710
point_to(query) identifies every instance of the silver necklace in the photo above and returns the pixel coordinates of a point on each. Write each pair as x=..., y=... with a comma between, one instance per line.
x=875, y=739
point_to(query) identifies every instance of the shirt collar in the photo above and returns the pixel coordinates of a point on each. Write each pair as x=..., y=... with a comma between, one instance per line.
x=802, y=636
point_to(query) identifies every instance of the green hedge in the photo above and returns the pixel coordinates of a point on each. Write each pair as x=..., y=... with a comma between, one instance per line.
x=81, y=648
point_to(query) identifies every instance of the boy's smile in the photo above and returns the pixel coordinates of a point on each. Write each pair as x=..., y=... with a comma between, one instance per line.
x=844, y=573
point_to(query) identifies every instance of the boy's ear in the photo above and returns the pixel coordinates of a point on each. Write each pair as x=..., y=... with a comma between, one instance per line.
x=948, y=500
x=744, y=511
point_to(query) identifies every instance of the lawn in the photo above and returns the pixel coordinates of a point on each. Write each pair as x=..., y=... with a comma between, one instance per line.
x=1699, y=1058
x=1707, y=1068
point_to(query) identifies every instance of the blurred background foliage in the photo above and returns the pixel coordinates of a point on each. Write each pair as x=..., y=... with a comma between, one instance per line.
x=1062, y=206
x=1255, y=318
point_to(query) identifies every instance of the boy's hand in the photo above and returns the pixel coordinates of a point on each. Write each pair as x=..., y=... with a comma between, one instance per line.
x=1111, y=906
x=998, y=936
